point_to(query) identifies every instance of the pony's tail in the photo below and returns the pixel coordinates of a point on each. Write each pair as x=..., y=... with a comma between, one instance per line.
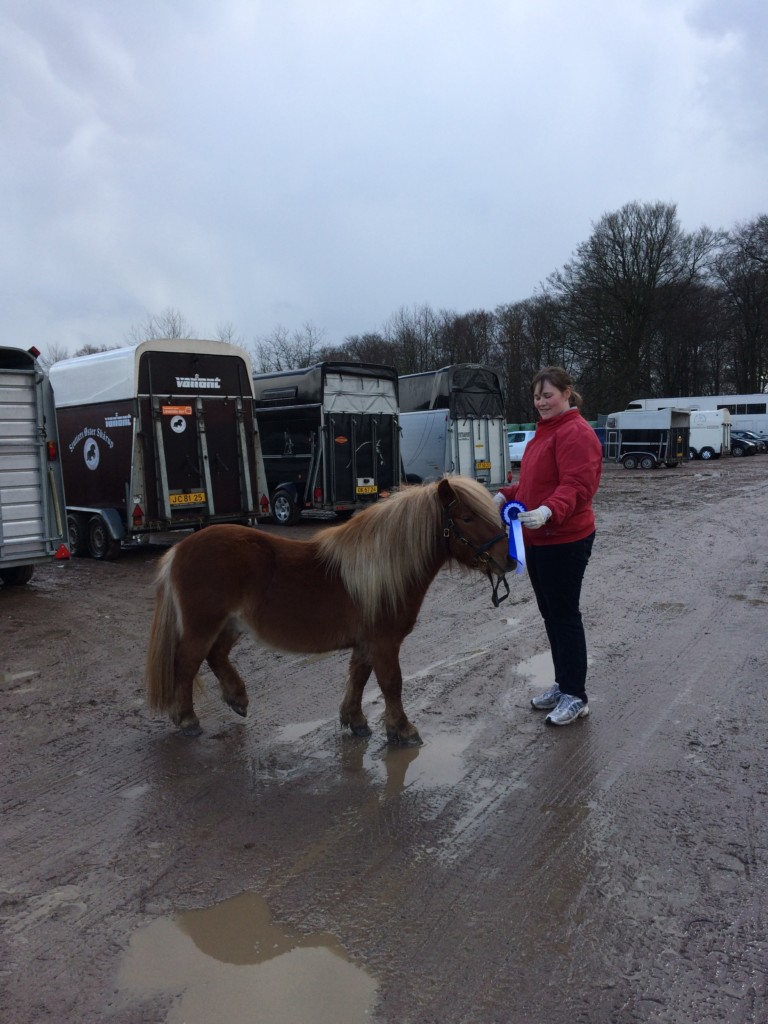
x=163, y=641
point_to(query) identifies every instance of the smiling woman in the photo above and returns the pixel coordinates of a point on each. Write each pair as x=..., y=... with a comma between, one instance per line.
x=558, y=478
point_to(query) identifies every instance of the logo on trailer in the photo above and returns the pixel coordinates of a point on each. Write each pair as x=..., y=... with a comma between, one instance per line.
x=91, y=450
x=91, y=453
x=178, y=424
x=212, y=383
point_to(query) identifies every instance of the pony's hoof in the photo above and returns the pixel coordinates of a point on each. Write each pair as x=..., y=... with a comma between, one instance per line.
x=363, y=730
x=190, y=728
x=411, y=739
x=239, y=709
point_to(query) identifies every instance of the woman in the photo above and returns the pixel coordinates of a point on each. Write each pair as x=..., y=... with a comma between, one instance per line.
x=559, y=474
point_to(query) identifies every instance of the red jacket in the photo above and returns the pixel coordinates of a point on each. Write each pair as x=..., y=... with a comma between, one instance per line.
x=561, y=469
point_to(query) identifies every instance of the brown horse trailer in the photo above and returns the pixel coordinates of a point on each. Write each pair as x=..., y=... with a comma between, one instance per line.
x=157, y=437
x=33, y=527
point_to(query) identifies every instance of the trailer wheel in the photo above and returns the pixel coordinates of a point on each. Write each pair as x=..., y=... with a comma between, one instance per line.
x=77, y=535
x=284, y=509
x=647, y=462
x=630, y=461
x=101, y=544
x=707, y=453
x=17, y=576
x=692, y=453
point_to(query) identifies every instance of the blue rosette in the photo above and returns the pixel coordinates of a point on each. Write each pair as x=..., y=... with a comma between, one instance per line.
x=509, y=514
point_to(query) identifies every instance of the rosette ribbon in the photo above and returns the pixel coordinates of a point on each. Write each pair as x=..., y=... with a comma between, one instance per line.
x=509, y=514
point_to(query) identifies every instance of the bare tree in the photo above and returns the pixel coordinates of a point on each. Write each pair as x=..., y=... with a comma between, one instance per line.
x=363, y=348
x=623, y=282
x=90, y=350
x=226, y=332
x=54, y=352
x=170, y=323
x=282, y=350
x=742, y=269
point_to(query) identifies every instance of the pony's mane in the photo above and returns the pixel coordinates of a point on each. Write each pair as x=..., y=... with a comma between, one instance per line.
x=383, y=552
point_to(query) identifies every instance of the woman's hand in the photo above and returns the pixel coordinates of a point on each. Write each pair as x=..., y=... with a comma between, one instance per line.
x=536, y=517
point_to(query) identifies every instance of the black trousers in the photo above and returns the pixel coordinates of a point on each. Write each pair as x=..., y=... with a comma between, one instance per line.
x=556, y=572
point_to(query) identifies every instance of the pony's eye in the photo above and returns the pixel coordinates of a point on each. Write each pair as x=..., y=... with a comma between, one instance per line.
x=467, y=519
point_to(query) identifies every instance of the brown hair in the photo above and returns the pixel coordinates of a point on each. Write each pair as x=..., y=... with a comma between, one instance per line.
x=560, y=379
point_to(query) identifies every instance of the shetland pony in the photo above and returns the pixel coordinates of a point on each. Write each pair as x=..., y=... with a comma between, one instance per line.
x=359, y=585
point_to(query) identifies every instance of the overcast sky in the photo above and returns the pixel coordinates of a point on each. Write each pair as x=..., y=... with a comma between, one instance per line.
x=277, y=163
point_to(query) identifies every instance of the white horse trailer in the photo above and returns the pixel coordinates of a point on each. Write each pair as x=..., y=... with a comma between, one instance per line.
x=748, y=412
x=710, y=435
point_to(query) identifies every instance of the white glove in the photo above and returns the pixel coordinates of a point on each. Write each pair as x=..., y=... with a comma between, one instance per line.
x=499, y=500
x=536, y=517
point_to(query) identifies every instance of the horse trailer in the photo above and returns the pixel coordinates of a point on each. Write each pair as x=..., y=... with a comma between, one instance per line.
x=155, y=438
x=453, y=421
x=330, y=437
x=710, y=435
x=33, y=527
x=748, y=412
x=642, y=439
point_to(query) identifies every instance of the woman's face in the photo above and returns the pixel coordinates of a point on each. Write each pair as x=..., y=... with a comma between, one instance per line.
x=550, y=401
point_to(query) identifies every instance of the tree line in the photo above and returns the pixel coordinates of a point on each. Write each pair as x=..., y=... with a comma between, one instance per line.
x=643, y=308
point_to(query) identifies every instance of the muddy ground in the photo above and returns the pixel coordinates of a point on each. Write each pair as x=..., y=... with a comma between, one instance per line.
x=277, y=869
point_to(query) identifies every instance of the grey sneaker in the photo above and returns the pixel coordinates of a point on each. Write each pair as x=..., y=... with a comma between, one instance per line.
x=568, y=710
x=547, y=700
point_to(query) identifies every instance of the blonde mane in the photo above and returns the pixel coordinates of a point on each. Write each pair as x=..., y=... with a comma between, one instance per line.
x=397, y=543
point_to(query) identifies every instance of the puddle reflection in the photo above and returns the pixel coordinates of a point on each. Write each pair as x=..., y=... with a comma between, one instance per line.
x=438, y=762
x=233, y=962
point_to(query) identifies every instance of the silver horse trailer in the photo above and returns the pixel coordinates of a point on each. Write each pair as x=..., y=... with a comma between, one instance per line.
x=33, y=527
x=453, y=420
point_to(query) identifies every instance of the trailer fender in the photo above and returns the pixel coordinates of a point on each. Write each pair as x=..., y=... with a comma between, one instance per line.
x=111, y=517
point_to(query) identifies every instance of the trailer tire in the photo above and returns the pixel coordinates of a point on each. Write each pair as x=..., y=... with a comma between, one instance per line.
x=101, y=544
x=17, y=576
x=630, y=462
x=647, y=462
x=285, y=509
x=692, y=453
x=707, y=453
x=77, y=534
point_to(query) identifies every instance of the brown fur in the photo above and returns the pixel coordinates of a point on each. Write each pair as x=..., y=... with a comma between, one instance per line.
x=359, y=585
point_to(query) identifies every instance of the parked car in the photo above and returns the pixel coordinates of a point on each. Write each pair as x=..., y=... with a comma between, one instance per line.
x=741, y=446
x=749, y=435
x=517, y=440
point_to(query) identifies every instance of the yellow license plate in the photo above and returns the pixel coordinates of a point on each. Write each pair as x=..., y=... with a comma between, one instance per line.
x=482, y=465
x=196, y=498
x=369, y=489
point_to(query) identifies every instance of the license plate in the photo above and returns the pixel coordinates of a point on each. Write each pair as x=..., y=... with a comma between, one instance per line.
x=367, y=489
x=482, y=465
x=196, y=498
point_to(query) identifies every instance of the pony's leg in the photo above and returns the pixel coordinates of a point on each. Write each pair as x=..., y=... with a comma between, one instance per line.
x=232, y=685
x=386, y=665
x=351, y=710
x=189, y=658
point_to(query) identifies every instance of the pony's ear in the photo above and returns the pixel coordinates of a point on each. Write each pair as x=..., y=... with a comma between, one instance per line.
x=445, y=493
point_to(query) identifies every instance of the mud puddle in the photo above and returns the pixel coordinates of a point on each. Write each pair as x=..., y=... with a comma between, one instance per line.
x=233, y=962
